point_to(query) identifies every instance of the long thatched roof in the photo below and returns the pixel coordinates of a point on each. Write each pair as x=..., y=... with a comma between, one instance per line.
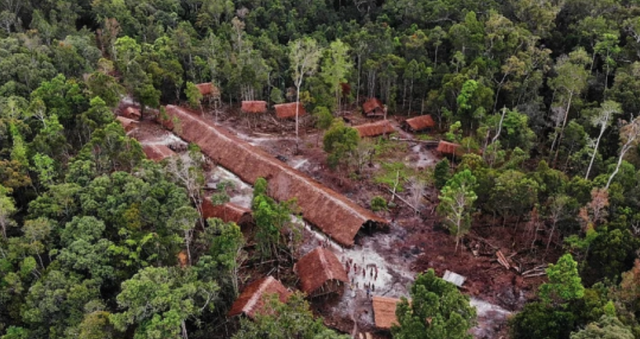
x=420, y=123
x=335, y=215
x=157, y=152
x=317, y=267
x=226, y=212
x=284, y=111
x=384, y=311
x=254, y=106
x=253, y=298
x=375, y=129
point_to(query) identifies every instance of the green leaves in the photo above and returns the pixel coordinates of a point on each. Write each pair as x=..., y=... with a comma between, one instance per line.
x=564, y=282
x=456, y=202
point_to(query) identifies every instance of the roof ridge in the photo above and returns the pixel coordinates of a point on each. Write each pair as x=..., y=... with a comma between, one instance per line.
x=258, y=294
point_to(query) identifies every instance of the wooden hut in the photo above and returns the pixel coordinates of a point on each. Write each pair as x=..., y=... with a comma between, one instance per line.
x=448, y=148
x=321, y=273
x=157, y=152
x=384, y=312
x=128, y=124
x=229, y=213
x=254, y=107
x=372, y=108
x=254, y=297
x=375, y=129
x=210, y=92
x=419, y=123
x=131, y=113
x=288, y=111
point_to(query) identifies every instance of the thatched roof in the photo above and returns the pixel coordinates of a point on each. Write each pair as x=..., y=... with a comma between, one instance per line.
x=372, y=106
x=335, y=215
x=131, y=113
x=226, y=212
x=375, y=128
x=420, y=123
x=448, y=148
x=208, y=89
x=252, y=299
x=317, y=267
x=254, y=106
x=284, y=111
x=157, y=152
x=384, y=311
x=127, y=124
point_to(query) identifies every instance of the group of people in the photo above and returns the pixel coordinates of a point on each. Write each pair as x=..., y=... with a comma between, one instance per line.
x=367, y=274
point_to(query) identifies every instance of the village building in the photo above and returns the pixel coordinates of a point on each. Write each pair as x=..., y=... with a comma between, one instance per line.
x=254, y=107
x=209, y=92
x=229, y=212
x=384, y=312
x=255, y=297
x=374, y=129
x=288, y=111
x=131, y=113
x=321, y=273
x=448, y=148
x=372, y=108
x=157, y=152
x=128, y=124
x=419, y=123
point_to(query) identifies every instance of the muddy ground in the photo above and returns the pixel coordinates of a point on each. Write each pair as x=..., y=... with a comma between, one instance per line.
x=414, y=242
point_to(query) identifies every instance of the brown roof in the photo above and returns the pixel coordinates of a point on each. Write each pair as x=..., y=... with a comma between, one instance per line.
x=131, y=113
x=371, y=105
x=226, y=212
x=375, y=128
x=335, y=215
x=446, y=147
x=127, y=124
x=157, y=152
x=254, y=106
x=208, y=88
x=284, y=111
x=253, y=297
x=317, y=267
x=384, y=311
x=421, y=122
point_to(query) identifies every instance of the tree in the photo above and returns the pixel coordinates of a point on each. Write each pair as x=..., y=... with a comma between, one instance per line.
x=628, y=133
x=7, y=209
x=442, y=173
x=194, y=97
x=513, y=194
x=564, y=283
x=339, y=141
x=456, y=200
x=608, y=327
x=303, y=56
x=602, y=119
x=335, y=67
x=436, y=310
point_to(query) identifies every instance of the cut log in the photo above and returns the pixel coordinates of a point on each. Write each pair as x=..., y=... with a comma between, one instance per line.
x=502, y=260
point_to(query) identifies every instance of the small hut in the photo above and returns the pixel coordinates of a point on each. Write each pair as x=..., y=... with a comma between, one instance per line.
x=419, y=123
x=321, y=273
x=253, y=298
x=209, y=92
x=288, y=111
x=128, y=124
x=131, y=113
x=448, y=148
x=375, y=129
x=254, y=107
x=157, y=152
x=229, y=213
x=372, y=108
x=384, y=312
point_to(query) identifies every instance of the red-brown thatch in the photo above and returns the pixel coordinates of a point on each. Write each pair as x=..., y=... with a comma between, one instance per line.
x=157, y=152
x=284, y=111
x=447, y=148
x=335, y=215
x=127, y=124
x=131, y=113
x=373, y=107
x=375, y=128
x=208, y=89
x=226, y=212
x=253, y=298
x=183, y=259
x=346, y=89
x=419, y=123
x=384, y=311
x=317, y=268
x=254, y=106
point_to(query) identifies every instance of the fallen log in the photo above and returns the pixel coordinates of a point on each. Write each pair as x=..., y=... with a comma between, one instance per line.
x=426, y=142
x=404, y=201
x=502, y=260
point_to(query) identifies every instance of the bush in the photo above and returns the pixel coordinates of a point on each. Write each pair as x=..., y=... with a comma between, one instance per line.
x=378, y=203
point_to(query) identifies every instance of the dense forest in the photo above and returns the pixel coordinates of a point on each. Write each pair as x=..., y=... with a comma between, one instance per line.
x=542, y=95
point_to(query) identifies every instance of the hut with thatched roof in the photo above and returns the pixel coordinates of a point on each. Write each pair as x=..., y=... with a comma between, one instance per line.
x=321, y=273
x=448, y=148
x=288, y=111
x=131, y=113
x=254, y=297
x=254, y=107
x=229, y=212
x=419, y=123
x=128, y=124
x=375, y=129
x=384, y=312
x=157, y=152
x=207, y=89
x=372, y=108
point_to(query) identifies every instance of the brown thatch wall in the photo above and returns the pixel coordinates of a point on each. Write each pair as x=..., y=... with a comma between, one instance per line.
x=254, y=106
x=127, y=124
x=447, y=148
x=384, y=311
x=285, y=111
x=226, y=212
x=419, y=123
x=252, y=299
x=331, y=212
x=157, y=152
x=319, y=270
x=375, y=129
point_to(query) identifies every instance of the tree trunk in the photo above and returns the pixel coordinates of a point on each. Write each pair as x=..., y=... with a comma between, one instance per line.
x=185, y=335
x=564, y=123
x=595, y=150
x=297, y=109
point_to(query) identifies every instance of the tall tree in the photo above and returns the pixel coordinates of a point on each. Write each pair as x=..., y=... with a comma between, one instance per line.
x=335, y=67
x=628, y=133
x=456, y=202
x=602, y=119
